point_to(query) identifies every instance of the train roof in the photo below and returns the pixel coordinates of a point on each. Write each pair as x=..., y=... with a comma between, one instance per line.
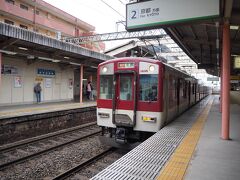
x=130, y=58
x=146, y=60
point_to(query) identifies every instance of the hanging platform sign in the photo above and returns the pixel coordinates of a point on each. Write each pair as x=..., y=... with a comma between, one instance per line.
x=212, y=78
x=157, y=13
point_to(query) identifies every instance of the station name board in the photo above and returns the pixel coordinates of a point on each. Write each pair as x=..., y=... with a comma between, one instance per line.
x=157, y=13
x=237, y=62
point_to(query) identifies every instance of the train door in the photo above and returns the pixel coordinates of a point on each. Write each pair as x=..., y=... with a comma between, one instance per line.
x=124, y=104
x=189, y=94
x=166, y=92
x=178, y=94
x=195, y=92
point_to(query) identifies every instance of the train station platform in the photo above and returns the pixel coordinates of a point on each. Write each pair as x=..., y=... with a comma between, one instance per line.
x=31, y=109
x=188, y=148
x=215, y=158
x=25, y=121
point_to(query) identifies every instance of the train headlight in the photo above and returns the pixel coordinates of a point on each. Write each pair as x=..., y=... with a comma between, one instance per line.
x=151, y=68
x=104, y=69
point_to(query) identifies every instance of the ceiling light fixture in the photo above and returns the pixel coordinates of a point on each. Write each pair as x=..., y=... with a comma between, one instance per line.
x=8, y=52
x=65, y=57
x=45, y=58
x=72, y=63
x=55, y=60
x=94, y=67
x=30, y=57
x=234, y=27
x=23, y=48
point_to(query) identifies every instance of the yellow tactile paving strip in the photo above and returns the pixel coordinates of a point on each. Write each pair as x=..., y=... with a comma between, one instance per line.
x=43, y=109
x=176, y=167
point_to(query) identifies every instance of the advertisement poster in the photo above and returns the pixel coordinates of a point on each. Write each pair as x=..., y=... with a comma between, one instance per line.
x=48, y=82
x=17, y=81
x=38, y=79
x=70, y=83
x=7, y=69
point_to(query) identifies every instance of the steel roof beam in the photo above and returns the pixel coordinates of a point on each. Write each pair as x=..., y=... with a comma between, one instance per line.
x=148, y=34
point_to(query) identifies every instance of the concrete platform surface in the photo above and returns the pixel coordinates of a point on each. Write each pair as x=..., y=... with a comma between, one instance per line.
x=22, y=110
x=214, y=158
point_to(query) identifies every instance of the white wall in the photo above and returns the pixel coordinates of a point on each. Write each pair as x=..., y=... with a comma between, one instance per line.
x=59, y=90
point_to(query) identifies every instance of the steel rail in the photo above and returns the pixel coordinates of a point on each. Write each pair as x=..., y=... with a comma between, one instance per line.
x=17, y=161
x=6, y=148
x=82, y=165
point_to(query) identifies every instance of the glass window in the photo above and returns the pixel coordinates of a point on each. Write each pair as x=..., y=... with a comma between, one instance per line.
x=10, y=1
x=125, y=87
x=24, y=7
x=37, y=12
x=23, y=26
x=106, y=87
x=185, y=87
x=8, y=22
x=148, y=87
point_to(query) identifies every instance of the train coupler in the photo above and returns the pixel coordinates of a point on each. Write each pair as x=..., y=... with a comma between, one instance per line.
x=121, y=135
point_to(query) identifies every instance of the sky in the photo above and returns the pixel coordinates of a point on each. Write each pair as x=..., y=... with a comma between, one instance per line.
x=96, y=13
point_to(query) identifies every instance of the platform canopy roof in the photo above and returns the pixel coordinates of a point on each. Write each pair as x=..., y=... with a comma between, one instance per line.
x=33, y=46
x=202, y=40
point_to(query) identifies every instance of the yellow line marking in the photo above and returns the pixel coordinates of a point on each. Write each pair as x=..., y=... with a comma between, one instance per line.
x=176, y=167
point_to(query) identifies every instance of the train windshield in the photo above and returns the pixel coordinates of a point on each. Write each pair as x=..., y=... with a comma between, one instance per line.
x=148, y=87
x=106, y=86
x=125, y=87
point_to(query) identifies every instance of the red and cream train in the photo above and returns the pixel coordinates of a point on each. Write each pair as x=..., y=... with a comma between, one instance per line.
x=138, y=95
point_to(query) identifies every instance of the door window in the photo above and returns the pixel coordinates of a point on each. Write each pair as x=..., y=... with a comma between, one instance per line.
x=125, y=87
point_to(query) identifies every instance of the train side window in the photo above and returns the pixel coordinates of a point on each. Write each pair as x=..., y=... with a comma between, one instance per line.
x=148, y=87
x=175, y=88
x=106, y=87
x=185, y=87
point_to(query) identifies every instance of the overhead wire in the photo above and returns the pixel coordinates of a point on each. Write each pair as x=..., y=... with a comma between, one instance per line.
x=113, y=9
x=122, y=22
x=121, y=2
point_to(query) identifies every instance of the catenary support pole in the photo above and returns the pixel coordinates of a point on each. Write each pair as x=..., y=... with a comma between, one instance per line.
x=0, y=70
x=81, y=84
x=221, y=85
x=226, y=81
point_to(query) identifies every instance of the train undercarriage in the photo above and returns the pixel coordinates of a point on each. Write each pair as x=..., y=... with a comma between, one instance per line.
x=123, y=137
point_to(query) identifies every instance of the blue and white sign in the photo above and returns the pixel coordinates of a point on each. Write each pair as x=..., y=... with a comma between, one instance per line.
x=156, y=13
x=45, y=72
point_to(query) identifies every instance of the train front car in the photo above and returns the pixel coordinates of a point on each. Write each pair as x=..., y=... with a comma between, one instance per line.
x=129, y=104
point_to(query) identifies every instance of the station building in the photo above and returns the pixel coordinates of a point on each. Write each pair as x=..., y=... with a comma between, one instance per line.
x=42, y=17
x=31, y=51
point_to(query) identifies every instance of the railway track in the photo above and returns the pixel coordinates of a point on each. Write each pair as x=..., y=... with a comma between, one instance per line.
x=19, y=152
x=84, y=164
